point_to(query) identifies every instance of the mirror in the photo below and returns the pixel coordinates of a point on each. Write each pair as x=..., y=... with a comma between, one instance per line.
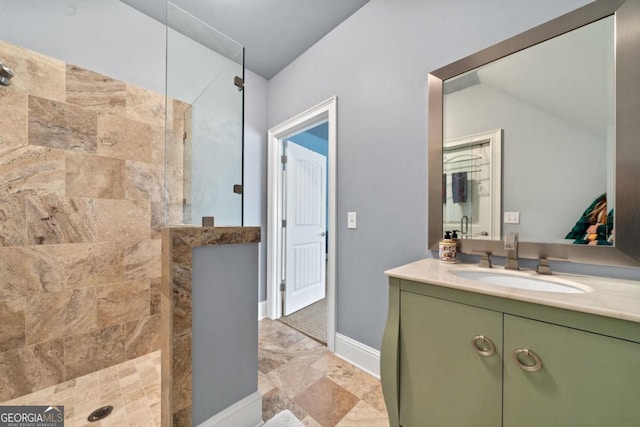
x=523, y=138
x=552, y=129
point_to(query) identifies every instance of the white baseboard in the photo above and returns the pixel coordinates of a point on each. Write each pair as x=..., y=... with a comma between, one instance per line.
x=244, y=413
x=262, y=310
x=358, y=354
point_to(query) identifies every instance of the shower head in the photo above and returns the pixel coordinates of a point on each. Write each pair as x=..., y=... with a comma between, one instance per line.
x=6, y=74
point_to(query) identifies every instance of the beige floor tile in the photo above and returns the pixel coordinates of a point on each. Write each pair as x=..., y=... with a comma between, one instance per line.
x=153, y=390
x=118, y=419
x=133, y=395
x=156, y=411
x=364, y=415
x=85, y=423
x=265, y=385
x=90, y=380
x=342, y=395
x=294, y=377
x=364, y=386
x=275, y=401
x=108, y=375
x=326, y=401
x=310, y=422
x=64, y=394
x=140, y=417
x=136, y=400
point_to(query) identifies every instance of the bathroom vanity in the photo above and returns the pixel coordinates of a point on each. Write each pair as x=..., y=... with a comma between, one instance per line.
x=471, y=346
x=459, y=352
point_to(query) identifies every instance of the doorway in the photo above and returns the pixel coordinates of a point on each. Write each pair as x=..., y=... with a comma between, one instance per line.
x=301, y=255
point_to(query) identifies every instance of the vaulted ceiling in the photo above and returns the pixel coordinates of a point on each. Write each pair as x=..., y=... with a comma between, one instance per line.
x=273, y=32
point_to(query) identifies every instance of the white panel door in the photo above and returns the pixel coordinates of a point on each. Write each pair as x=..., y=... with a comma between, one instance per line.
x=306, y=198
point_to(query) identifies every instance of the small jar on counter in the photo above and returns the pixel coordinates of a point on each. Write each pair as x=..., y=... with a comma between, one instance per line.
x=448, y=248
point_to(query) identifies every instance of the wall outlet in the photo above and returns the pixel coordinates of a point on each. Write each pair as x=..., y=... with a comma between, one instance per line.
x=351, y=220
x=512, y=217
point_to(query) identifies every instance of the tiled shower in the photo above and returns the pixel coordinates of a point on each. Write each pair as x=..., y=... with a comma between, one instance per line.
x=81, y=206
x=139, y=127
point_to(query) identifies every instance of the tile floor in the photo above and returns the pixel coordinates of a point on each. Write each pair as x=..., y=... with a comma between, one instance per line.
x=132, y=388
x=295, y=373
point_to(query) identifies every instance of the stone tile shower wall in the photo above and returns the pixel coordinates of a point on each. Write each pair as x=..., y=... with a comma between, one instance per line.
x=81, y=207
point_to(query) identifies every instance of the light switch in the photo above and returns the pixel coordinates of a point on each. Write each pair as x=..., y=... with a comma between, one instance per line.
x=512, y=217
x=351, y=220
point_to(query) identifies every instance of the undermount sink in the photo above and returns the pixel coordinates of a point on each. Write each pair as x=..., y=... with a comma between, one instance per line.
x=520, y=281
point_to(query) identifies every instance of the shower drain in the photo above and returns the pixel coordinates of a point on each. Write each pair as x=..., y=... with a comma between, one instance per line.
x=100, y=413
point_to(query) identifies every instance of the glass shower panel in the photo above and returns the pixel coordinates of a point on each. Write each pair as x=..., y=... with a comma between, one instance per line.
x=204, y=155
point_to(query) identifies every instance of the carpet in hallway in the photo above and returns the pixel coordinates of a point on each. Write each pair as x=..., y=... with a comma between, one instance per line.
x=311, y=320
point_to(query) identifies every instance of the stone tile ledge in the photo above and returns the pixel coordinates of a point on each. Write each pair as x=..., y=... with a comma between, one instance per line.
x=203, y=236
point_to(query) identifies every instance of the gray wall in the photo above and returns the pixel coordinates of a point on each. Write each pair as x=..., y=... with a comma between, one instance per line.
x=225, y=330
x=105, y=36
x=376, y=62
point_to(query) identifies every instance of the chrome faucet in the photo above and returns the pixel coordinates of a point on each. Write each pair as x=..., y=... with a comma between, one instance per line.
x=511, y=246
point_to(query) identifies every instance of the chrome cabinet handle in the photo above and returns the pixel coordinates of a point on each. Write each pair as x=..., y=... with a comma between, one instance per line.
x=324, y=233
x=528, y=354
x=483, y=346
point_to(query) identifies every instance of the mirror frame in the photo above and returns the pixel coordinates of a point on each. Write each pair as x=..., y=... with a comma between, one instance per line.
x=626, y=250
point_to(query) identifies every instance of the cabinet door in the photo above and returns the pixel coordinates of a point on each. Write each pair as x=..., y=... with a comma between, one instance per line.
x=585, y=379
x=444, y=381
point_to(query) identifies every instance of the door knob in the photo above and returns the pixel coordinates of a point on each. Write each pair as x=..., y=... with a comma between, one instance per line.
x=324, y=233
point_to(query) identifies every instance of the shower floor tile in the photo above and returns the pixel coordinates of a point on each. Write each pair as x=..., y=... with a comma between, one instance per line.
x=132, y=388
x=295, y=373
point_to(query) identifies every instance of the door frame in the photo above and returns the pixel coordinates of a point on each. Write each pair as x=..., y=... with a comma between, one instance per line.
x=324, y=111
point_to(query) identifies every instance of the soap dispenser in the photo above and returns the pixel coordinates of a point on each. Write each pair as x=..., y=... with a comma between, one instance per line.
x=448, y=248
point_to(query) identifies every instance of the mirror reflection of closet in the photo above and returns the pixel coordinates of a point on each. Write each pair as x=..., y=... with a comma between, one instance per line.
x=472, y=182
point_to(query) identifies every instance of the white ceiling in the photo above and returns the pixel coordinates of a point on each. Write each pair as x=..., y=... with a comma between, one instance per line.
x=273, y=32
x=569, y=77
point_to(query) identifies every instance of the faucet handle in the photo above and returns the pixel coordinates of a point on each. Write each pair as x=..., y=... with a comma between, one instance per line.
x=543, y=266
x=511, y=241
x=485, y=260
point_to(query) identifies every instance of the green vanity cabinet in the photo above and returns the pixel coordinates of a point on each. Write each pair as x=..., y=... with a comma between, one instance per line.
x=439, y=367
x=586, y=379
x=435, y=370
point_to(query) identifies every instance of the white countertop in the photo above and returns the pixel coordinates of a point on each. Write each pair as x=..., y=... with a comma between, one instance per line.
x=614, y=298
